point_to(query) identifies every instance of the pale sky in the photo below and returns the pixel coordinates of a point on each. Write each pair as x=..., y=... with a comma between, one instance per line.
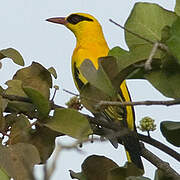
x=24, y=28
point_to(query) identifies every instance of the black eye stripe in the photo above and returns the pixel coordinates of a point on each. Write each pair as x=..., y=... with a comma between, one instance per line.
x=75, y=18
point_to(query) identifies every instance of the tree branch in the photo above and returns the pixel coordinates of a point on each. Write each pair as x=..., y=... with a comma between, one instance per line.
x=155, y=160
x=138, y=103
x=160, y=146
x=118, y=131
x=15, y=98
x=122, y=131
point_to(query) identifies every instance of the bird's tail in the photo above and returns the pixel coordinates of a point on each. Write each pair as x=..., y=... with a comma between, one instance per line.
x=133, y=150
x=131, y=141
x=125, y=116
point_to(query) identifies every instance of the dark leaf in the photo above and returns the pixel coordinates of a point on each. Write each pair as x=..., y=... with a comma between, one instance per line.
x=123, y=172
x=18, y=160
x=171, y=131
x=91, y=96
x=79, y=176
x=15, y=89
x=36, y=77
x=43, y=139
x=20, y=130
x=97, y=167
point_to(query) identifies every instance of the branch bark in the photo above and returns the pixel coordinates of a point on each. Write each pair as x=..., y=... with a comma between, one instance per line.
x=164, y=166
x=119, y=131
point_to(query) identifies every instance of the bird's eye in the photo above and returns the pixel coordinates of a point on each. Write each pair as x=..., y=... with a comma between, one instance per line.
x=75, y=18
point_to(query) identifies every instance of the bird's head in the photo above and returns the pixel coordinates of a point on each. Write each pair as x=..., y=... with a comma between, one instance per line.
x=78, y=23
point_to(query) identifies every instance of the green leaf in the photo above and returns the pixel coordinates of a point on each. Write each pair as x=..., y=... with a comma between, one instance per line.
x=165, y=34
x=130, y=64
x=173, y=42
x=147, y=20
x=41, y=103
x=18, y=160
x=97, y=167
x=160, y=175
x=110, y=67
x=53, y=72
x=177, y=8
x=171, y=131
x=70, y=122
x=12, y=54
x=43, y=139
x=167, y=83
x=36, y=77
x=98, y=78
x=91, y=96
x=4, y=175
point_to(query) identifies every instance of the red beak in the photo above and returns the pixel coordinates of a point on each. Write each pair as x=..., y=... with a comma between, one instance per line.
x=58, y=20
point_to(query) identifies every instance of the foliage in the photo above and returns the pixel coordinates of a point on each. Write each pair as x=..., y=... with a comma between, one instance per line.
x=27, y=97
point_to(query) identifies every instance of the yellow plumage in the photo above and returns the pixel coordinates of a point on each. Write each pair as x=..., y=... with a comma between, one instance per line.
x=91, y=44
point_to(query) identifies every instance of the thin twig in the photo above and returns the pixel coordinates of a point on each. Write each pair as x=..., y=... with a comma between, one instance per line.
x=59, y=148
x=138, y=103
x=101, y=103
x=131, y=32
x=148, y=63
x=69, y=92
x=55, y=90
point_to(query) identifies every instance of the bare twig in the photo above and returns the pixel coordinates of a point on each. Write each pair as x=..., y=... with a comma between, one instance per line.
x=69, y=92
x=54, y=95
x=148, y=63
x=59, y=148
x=164, y=166
x=138, y=103
x=163, y=47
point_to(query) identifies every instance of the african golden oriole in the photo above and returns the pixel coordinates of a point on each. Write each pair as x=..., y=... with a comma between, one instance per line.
x=91, y=44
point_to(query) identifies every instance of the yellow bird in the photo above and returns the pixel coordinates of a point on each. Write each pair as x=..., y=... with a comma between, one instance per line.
x=91, y=44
